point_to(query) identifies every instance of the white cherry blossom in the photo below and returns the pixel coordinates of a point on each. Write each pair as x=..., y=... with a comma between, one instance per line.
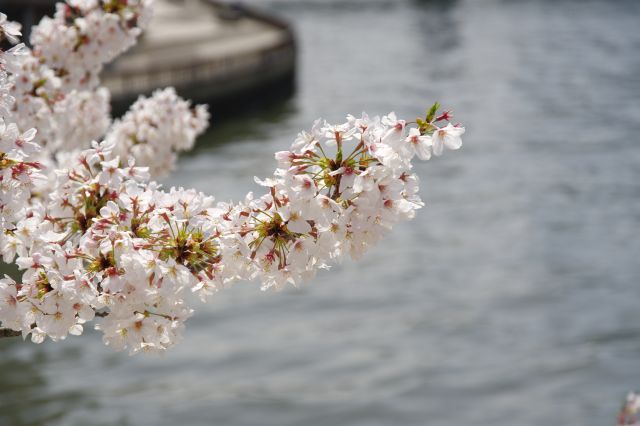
x=449, y=136
x=95, y=236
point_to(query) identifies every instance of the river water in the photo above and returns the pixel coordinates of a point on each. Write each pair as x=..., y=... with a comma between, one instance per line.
x=512, y=299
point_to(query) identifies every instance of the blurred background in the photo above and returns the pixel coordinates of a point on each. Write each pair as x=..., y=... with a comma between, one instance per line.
x=512, y=299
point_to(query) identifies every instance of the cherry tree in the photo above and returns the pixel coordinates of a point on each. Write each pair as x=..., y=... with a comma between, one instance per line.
x=95, y=236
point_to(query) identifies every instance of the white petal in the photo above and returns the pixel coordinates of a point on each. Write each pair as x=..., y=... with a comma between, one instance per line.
x=299, y=226
x=438, y=146
x=423, y=152
x=453, y=142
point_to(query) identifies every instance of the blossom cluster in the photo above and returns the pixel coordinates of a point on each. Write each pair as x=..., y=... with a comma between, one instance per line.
x=156, y=128
x=99, y=238
x=57, y=86
x=17, y=172
x=105, y=242
x=84, y=35
x=337, y=191
x=109, y=240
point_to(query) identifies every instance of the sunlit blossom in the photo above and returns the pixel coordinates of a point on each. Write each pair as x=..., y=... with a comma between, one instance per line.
x=95, y=236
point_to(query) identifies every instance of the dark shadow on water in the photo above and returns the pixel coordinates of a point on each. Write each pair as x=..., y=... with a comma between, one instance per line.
x=229, y=125
x=244, y=102
x=252, y=102
x=10, y=270
x=436, y=4
x=327, y=6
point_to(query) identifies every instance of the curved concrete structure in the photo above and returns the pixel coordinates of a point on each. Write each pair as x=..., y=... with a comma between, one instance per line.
x=210, y=51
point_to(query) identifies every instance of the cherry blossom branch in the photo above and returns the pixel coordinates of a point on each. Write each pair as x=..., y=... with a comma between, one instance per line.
x=58, y=90
x=99, y=238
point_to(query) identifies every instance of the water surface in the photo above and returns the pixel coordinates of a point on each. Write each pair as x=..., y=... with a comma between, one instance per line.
x=512, y=299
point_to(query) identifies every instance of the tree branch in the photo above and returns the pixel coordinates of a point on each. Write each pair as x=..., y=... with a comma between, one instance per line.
x=7, y=332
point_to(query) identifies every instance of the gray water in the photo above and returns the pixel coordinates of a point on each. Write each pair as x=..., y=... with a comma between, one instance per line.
x=512, y=299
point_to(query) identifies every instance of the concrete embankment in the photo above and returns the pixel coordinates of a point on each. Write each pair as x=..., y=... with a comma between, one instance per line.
x=227, y=55
x=210, y=51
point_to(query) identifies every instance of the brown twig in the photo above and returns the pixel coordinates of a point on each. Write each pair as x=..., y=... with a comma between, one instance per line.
x=7, y=332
